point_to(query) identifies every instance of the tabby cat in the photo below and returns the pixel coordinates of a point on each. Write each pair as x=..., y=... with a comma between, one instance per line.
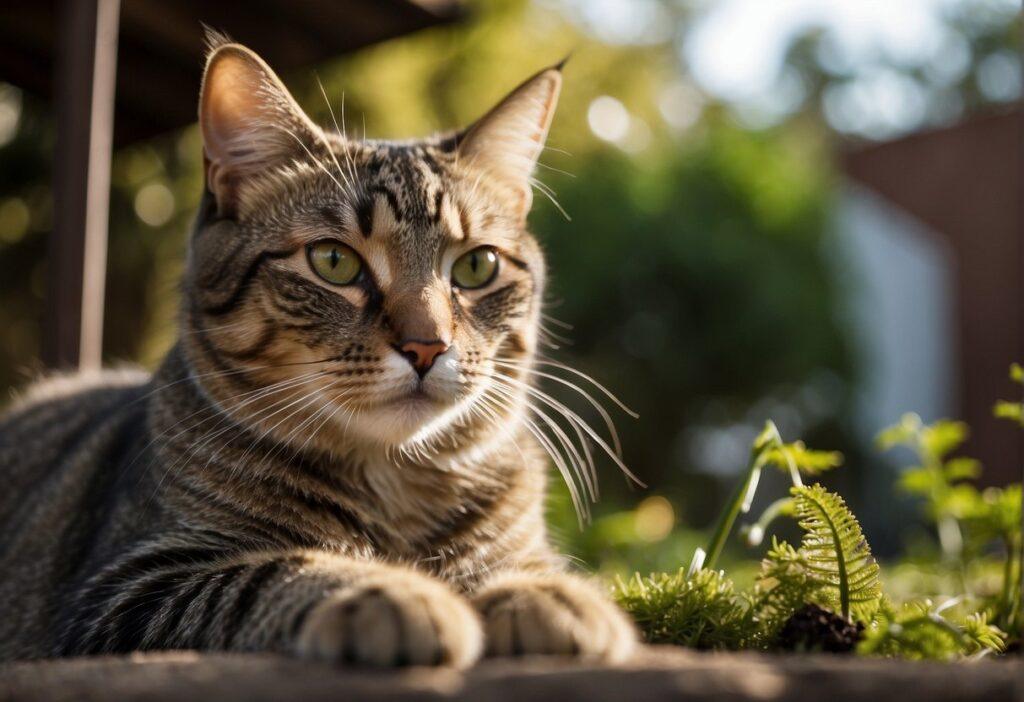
x=335, y=461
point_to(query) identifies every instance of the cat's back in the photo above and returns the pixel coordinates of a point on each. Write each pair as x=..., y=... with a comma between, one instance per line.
x=64, y=447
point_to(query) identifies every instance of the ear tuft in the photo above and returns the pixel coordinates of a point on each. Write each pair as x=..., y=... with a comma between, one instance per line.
x=248, y=119
x=506, y=142
x=213, y=39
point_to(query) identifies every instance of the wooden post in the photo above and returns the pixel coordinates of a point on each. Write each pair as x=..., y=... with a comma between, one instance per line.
x=86, y=68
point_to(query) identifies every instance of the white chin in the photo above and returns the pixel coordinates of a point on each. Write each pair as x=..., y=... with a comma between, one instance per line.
x=403, y=422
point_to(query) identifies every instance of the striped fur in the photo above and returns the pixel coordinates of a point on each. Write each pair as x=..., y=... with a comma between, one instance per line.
x=285, y=481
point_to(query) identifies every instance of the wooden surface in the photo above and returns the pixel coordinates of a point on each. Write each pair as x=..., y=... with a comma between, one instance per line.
x=655, y=674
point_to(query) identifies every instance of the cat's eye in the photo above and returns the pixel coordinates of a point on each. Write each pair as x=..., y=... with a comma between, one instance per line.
x=476, y=268
x=334, y=262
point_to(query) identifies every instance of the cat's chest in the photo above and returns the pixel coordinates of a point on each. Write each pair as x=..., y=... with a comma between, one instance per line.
x=419, y=512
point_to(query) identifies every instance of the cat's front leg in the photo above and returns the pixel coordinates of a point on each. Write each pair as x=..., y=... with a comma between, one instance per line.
x=306, y=603
x=525, y=614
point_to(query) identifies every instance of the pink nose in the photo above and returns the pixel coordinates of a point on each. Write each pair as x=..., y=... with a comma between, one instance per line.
x=421, y=354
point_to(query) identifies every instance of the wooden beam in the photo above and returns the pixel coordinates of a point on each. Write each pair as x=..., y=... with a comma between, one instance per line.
x=86, y=70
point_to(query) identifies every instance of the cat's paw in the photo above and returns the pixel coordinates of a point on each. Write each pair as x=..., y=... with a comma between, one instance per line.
x=562, y=615
x=402, y=621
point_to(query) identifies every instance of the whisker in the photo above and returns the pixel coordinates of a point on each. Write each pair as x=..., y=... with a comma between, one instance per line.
x=584, y=467
x=596, y=405
x=572, y=416
x=608, y=393
x=579, y=505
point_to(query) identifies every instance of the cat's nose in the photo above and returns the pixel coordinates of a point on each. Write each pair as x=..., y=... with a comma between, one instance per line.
x=421, y=354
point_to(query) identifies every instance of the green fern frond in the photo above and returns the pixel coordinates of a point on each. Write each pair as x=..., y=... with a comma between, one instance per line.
x=836, y=553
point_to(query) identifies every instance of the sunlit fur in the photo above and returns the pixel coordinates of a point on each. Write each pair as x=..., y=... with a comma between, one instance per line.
x=285, y=480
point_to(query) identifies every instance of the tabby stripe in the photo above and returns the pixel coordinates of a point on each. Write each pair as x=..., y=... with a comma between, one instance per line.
x=234, y=375
x=318, y=506
x=333, y=218
x=97, y=594
x=242, y=286
x=246, y=597
x=518, y=263
x=132, y=617
x=222, y=308
x=80, y=536
x=502, y=292
x=279, y=534
x=300, y=618
x=438, y=204
x=174, y=610
x=391, y=198
x=209, y=281
x=364, y=216
x=223, y=580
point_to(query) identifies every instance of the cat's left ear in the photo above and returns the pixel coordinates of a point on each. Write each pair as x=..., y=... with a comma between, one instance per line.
x=505, y=143
x=249, y=121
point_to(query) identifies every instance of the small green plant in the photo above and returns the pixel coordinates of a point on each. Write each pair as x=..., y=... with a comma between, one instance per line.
x=936, y=478
x=768, y=449
x=969, y=522
x=1004, y=518
x=828, y=587
x=836, y=553
x=919, y=630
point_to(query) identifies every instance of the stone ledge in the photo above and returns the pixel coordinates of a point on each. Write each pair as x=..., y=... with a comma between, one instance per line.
x=657, y=673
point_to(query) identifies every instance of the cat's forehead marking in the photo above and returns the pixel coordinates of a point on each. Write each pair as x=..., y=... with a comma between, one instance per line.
x=405, y=195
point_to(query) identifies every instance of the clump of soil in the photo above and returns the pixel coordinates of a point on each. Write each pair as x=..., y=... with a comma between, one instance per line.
x=814, y=628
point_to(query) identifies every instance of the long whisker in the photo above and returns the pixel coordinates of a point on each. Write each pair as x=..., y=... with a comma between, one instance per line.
x=594, y=403
x=286, y=441
x=571, y=416
x=579, y=505
x=608, y=393
x=584, y=466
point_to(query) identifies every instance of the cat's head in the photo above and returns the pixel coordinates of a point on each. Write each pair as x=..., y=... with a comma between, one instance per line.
x=387, y=291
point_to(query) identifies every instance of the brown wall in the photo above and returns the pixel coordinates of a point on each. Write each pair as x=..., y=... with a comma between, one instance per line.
x=965, y=182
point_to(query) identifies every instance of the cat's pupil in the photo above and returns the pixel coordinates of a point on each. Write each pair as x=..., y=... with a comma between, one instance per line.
x=474, y=261
x=335, y=257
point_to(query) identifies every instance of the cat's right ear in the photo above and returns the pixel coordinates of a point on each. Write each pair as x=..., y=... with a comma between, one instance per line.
x=249, y=122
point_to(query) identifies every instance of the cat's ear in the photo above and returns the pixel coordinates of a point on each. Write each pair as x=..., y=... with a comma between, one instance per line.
x=506, y=142
x=249, y=121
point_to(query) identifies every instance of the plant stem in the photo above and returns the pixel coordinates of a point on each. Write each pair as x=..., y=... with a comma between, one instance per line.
x=733, y=507
x=756, y=531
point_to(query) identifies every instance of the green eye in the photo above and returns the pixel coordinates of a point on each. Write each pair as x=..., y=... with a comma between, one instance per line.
x=334, y=262
x=476, y=268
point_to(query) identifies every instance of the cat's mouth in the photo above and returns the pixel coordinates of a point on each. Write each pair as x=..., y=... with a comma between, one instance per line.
x=418, y=394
